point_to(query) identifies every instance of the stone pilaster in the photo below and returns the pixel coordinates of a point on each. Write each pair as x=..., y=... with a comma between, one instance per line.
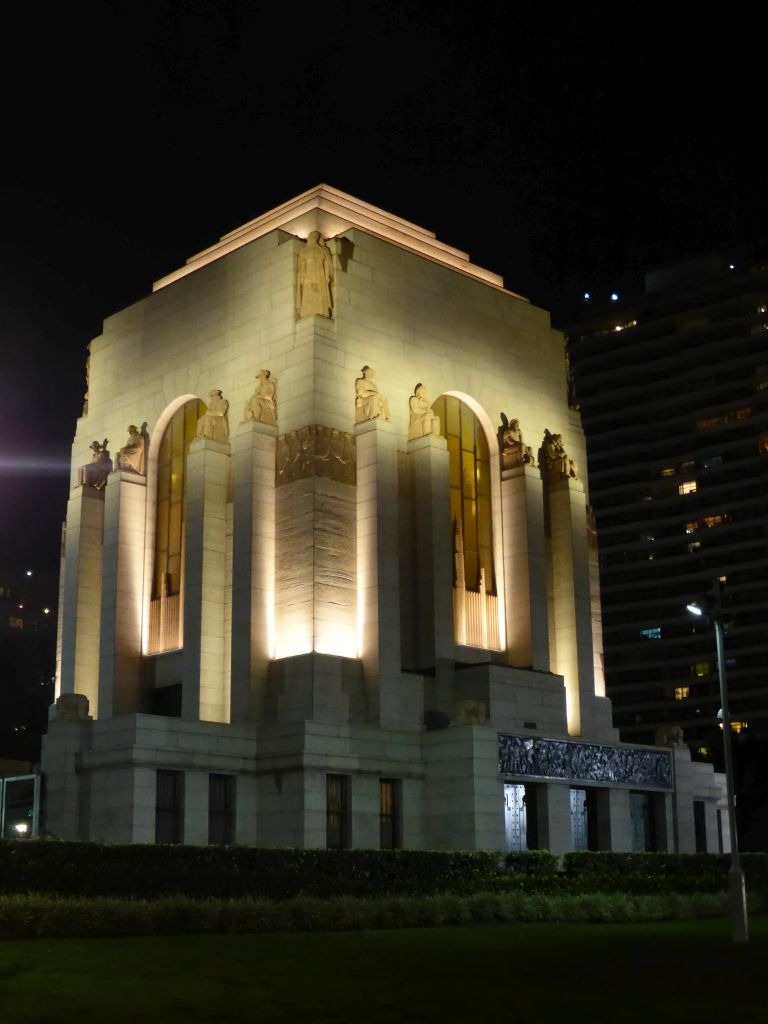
x=81, y=595
x=253, y=566
x=60, y=615
x=65, y=811
x=554, y=817
x=525, y=568
x=571, y=632
x=614, y=822
x=196, y=785
x=125, y=506
x=597, y=611
x=205, y=660
x=366, y=804
x=142, y=804
x=283, y=798
x=316, y=546
x=464, y=792
x=378, y=567
x=433, y=550
x=664, y=822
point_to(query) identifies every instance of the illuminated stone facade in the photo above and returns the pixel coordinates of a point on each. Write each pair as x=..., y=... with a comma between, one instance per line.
x=316, y=607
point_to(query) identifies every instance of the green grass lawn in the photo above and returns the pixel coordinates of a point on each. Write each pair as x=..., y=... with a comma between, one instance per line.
x=682, y=972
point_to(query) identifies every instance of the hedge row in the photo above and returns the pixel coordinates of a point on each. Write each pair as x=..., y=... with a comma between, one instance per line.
x=150, y=871
x=36, y=916
x=229, y=872
x=639, y=873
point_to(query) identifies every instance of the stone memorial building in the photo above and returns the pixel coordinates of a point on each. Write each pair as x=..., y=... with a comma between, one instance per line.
x=329, y=573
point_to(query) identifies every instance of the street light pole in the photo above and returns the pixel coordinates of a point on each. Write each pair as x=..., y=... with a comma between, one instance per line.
x=737, y=897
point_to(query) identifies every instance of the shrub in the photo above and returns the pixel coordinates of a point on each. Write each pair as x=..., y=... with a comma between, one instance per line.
x=536, y=863
x=201, y=872
x=648, y=873
x=36, y=916
x=152, y=871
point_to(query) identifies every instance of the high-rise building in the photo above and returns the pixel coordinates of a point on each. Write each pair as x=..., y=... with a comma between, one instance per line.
x=673, y=392
x=27, y=661
x=314, y=592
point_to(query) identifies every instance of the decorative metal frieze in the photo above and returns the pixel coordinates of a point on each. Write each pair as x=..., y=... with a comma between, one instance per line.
x=530, y=756
x=315, y=451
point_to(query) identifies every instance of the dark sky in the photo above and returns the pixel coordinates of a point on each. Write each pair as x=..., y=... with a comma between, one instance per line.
x=562, y=144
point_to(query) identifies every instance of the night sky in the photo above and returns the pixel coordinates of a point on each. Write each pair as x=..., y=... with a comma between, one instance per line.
x=564, y=145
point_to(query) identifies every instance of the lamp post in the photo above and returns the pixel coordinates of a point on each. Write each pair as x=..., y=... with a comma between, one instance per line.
x=737, y=897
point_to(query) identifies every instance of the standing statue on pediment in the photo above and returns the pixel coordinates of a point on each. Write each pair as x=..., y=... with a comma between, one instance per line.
x=262, y=405
x=133, y=455
x=315, y=278
x=213, y=423
x=370, y=404
x=512, y=449
x=98, y=469
x=422, y=419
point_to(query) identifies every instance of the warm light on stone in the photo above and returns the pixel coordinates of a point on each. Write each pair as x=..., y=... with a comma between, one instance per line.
x=313, y=591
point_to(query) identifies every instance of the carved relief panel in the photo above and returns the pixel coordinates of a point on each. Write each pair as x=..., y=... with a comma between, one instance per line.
x=315, y=451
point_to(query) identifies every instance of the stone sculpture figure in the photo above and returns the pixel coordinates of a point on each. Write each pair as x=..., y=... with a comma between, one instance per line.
x=87, y=385
x=669, y=736
x=514, y=452
x=471, y=712
x=573, y=401
x=287, y=457
x=262, y=405
x=315, y=450
x=423, y=420
x=589, y=762
x=98, y=469
x=343, y=450
x=213, y=423
x=370, y=404
x=555, y=459
x=315, y=278
x=132, y=456
x=322, y=449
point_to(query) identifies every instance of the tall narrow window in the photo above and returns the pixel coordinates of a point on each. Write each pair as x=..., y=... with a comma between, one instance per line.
x=169, y=806
x=390, y=814
x=168, y=574
x=515, y=816
x=337, y=816
x=475, y=602
x=221, y=809
x=700, y=826
x=579, y=819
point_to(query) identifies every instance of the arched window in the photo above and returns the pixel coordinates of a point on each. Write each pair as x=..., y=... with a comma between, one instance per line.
x=168, y=565
x=475, y=600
